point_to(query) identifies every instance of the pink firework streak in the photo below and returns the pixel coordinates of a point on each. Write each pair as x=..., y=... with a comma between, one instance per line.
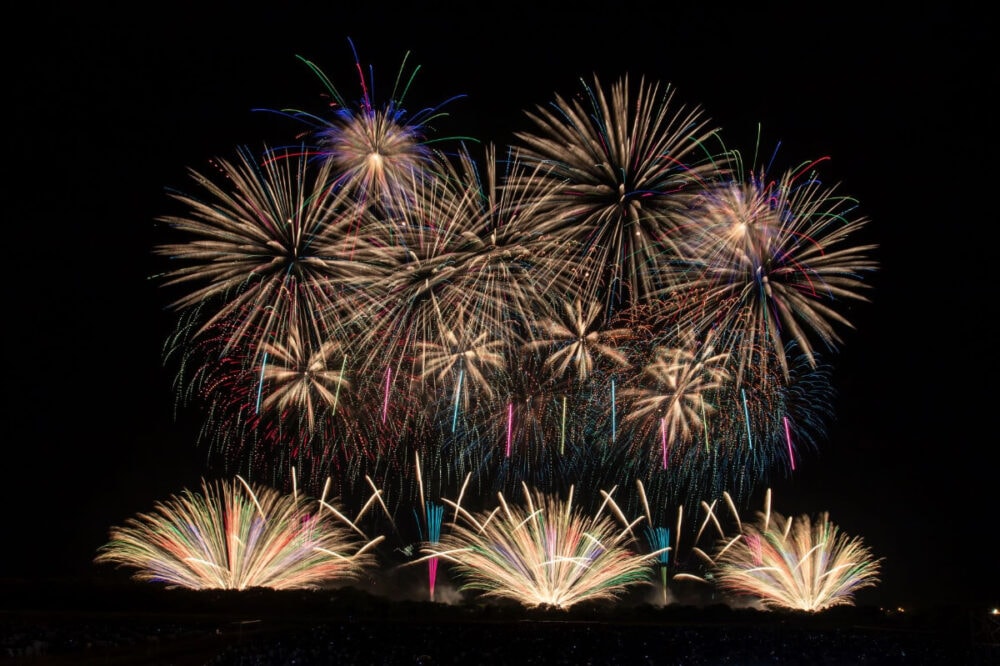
x=432, y=571
x=788, y=438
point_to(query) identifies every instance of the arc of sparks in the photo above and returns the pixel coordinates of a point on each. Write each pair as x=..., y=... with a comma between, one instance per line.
x=663, y=438
x=340, y=379
x=704, y=423
x=613, y=412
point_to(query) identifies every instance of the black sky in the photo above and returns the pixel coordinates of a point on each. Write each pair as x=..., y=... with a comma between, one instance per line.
x=111, y=106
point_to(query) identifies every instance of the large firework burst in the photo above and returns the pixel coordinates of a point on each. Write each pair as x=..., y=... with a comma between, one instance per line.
x=543, y=552
x=605, y=303
x=627, y=160
x=762, y=261
x=263, y=249
x=802, y=563
x=237, y=536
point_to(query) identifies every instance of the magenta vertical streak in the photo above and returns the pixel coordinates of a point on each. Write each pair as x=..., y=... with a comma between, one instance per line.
x=510, y=425
x=432, y=570
x=788, y=438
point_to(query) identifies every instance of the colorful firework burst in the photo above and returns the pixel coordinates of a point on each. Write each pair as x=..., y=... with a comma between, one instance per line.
x=544, y=552
x=374, y=146
x=801, y=563
x=236, y=536
x=761, y=262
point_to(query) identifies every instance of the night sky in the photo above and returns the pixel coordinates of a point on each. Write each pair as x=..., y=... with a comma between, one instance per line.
x=112, y=107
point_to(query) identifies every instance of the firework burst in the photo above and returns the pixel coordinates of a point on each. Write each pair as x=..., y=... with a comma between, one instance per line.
x=628, y=160
x=374, y=146
x=263, y=248
x=761, y=262
x=235, y=536
x=577, y=338
x=609, y=302
x=675, y=394
x=802, y=563
x=544, y=552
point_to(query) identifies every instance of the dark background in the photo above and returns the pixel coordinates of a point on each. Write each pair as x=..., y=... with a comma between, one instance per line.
x=110, y=104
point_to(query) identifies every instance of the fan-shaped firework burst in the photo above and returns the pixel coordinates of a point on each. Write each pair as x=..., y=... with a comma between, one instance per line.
x=804, y=566
x=801, y=565
x=762, y=261
x=544, y=552
x=234, y=536
x=627, y=162
x=798, y=563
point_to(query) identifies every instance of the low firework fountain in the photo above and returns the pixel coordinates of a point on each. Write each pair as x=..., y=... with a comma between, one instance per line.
x=659, y=540
x=433, y=514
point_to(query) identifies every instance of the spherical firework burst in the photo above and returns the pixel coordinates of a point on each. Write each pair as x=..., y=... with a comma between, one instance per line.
x=738, y=437
x=300, y=379
x=627, y=160
x=236, y=536
x=263, y=249
x=374, y=146
x=673, y=395
x=294, y=406
x=577, y=337
x=763, y=261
